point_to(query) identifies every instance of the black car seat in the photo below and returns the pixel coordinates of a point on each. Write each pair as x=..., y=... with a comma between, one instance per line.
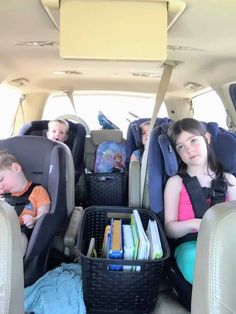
x=163, y=163
x=75, y=140
x=50, y=164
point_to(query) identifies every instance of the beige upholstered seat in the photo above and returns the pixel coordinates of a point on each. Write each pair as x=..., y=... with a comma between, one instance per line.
x=215, y=270
x=11, y=262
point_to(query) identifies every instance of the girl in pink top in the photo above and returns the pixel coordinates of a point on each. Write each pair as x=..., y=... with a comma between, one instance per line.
x=197, y=159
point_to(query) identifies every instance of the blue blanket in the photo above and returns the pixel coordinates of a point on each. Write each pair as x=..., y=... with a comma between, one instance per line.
x=59, y=291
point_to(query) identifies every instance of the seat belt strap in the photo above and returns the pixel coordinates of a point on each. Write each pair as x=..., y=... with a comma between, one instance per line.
x=196, y=194
x=162, y=88
x=71, y=98
x=19, y=202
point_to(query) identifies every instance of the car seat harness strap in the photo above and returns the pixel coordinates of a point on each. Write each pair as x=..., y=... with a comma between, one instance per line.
x=202, y=198
x=19, y=202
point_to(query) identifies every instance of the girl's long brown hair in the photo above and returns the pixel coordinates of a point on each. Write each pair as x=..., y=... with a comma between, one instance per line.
x=194, y=127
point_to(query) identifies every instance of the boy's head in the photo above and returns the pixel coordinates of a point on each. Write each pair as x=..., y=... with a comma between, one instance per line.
x=58, y=130
x=12, y=178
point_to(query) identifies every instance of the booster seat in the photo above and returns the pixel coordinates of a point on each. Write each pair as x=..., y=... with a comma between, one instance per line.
x=134, y=142
x=47, y=163
x=163, y=163
x=134, y=138
x=75, y=140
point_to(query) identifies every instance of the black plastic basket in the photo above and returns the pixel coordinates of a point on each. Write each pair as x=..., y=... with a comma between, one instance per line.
x=107, y=189
x=125, y=292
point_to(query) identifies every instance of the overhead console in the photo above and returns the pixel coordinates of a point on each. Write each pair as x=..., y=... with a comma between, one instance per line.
x=129, y=30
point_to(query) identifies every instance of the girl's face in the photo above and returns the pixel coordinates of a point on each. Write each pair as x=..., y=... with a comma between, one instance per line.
x=192, y=148
x=144, y=133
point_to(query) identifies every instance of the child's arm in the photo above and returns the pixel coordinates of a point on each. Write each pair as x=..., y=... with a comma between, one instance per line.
x=41, y=201
x=173, y=227
x=30, y=221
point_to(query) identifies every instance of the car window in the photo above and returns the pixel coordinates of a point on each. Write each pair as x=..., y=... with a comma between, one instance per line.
x=208, y=107
x=120, y=108
x=9, y=98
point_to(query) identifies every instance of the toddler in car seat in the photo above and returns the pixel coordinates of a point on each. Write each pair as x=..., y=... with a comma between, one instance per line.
x=58, y=130
x=137, y=154
x=30, y=201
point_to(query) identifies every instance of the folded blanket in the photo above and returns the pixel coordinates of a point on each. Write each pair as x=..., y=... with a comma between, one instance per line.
x=59, y=291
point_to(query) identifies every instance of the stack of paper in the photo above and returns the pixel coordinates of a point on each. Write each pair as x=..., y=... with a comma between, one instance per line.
x=135, y=236
x=142, y=244
x=156, y=251
x=128, y=245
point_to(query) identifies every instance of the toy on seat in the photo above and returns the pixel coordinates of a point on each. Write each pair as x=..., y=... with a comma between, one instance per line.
x=50, y=164
x=105, y=122
x=163, y=163
x=75, y=140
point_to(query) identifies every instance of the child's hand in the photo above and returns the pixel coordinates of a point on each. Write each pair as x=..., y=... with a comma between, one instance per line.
x=196, y=225
x=29, y=221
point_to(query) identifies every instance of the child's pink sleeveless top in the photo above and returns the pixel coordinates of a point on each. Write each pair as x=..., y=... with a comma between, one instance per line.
x=185, y=210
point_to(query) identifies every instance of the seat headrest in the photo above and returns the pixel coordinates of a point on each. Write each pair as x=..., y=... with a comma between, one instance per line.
x=99, y=136
x=169, y=155
x=224, y=143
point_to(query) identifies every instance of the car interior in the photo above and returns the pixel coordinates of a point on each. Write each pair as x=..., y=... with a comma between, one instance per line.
x=169, y=53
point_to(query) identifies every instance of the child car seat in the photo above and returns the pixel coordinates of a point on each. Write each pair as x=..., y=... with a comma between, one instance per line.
x=75, y=140
x=134, y=142
x=47, y=163
x=163, y=163
x=134, y=138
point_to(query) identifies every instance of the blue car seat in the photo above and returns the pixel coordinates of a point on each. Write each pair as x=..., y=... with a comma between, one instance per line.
x=134, y=142
x=75, y=140
x=134, y=138
x=44, y=162
x=163, y=163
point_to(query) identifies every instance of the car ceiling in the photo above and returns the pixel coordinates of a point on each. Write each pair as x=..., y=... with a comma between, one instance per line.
x=201, y=42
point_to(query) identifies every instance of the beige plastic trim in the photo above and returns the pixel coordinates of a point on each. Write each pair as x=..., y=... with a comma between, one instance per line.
x=174, y=7
x=51, y=4
x=113, y=30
